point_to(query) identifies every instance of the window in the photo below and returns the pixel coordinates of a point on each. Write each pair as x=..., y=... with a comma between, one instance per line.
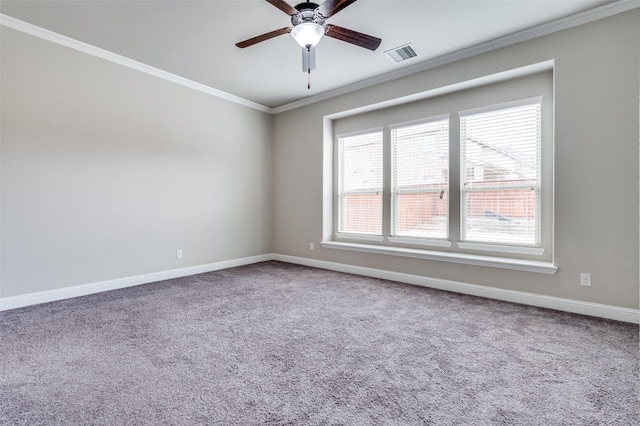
x=420, y=179
x=500, y=169
x=458, y=177
x=360, y=183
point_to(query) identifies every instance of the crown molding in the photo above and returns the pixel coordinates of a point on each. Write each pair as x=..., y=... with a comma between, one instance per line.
x=585, y=17
x=27, y=28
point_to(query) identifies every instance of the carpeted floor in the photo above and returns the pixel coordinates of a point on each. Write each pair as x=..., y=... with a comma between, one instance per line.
x=280, y=344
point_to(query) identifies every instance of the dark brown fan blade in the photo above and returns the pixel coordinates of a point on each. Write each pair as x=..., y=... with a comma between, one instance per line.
x=331, y=7
x=263, y=37
x=283, y=6
x=353, y=37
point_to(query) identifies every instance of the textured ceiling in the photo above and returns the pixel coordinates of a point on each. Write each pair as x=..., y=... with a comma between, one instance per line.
x=196, y=39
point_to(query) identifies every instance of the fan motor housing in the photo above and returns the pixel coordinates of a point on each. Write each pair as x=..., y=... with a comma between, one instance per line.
x=307, y=12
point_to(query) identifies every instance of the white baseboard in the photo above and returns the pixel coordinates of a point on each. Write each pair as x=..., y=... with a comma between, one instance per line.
x=557, y=303
x=29, y=299
x=550, y=302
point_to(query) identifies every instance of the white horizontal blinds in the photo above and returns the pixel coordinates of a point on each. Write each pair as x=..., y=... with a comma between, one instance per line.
x=420, y=179
x=500, y=174
x=360, y=183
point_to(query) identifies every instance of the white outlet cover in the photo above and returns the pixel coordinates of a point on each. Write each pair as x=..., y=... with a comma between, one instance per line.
x=585, y=280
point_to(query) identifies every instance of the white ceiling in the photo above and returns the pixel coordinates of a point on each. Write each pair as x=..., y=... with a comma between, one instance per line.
x=196, y=39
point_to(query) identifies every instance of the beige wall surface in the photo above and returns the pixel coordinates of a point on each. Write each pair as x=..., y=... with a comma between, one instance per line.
x=106, y=172
x=596, y=70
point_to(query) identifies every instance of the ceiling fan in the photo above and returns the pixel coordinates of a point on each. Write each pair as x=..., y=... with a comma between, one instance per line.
x=309, y=26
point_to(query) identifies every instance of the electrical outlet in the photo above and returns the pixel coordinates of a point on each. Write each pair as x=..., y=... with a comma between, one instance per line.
x=179, y=254
x=311, y=246
x=585, y=280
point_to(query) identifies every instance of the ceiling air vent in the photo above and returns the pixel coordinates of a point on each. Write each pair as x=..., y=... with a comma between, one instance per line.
x=402, y=53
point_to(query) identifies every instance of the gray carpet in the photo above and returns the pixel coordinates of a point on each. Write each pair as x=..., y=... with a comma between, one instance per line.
x=280, y=344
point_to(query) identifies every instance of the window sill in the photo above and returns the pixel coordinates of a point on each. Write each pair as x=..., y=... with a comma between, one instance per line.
x=535, y=251
x=420, y=242
x=360, y=237
x=466, y=259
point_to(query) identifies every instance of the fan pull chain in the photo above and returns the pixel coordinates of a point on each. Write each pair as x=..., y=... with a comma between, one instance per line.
x=309, y=68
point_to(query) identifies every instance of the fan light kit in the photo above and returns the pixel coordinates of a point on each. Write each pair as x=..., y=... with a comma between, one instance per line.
x=309, y=26
x=307, y=34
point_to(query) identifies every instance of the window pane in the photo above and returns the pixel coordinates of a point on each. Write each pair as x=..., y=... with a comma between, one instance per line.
x=420, y=179
x=421, y=215
x=360, y=184
x=501, y=216
x=361, y=213
x=500, y=175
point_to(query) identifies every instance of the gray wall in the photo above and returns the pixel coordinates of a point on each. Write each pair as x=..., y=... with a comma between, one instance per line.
x=106, y=171
x=596, y=165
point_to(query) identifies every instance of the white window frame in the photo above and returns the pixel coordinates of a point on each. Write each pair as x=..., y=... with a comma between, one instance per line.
x=395, y=236
x=491, y=255
x=534, y=248
x=345, y=233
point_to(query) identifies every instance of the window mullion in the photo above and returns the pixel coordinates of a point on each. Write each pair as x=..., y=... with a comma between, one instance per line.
x=386, y=182
x=454, y=181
